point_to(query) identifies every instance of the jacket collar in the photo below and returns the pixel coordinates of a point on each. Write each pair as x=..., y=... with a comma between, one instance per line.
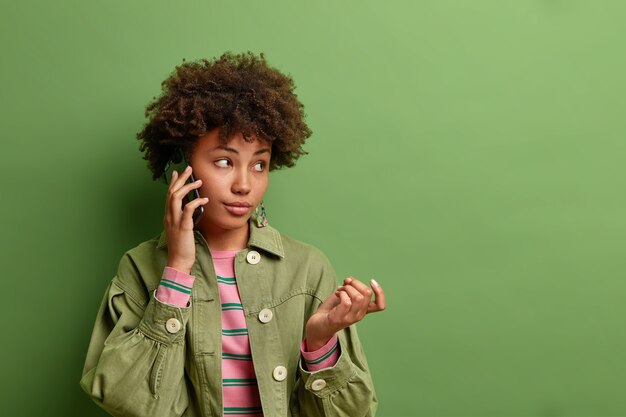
x=266, y=238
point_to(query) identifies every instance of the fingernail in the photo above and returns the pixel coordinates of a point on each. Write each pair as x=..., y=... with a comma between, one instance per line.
x=188, y=168
x=373, y=281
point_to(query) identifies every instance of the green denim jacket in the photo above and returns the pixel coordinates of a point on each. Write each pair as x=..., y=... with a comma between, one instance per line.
x=138, y=367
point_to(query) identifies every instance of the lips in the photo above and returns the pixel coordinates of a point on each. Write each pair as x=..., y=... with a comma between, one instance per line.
x=238, y=208
x=239, y=204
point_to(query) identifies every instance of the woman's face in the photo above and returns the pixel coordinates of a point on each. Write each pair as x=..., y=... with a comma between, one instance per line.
x=234, y=177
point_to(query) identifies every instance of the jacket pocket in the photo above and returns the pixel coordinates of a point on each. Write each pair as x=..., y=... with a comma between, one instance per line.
x=157, y=370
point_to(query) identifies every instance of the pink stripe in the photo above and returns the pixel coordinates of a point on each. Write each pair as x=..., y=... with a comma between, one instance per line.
x=237, y=369
x=229, y=293
x=179, y=277
x=233, y=319
x=171, y=296
x=223, y=260
x=236, y=344
x=241, y=396
x=316, y=354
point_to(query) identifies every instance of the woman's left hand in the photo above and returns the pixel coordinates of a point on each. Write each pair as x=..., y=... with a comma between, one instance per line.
x=348, y=305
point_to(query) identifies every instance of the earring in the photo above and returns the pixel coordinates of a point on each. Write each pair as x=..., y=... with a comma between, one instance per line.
x=261, y=216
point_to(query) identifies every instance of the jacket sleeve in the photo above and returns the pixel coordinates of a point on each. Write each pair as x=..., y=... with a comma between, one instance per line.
x=136, y=357
x=345, y=389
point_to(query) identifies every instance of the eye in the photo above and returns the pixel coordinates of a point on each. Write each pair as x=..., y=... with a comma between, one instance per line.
x=259, y=166
x=222, y=163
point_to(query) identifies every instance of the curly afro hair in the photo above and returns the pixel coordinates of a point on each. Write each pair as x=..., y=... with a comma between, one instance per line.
x=236, y=93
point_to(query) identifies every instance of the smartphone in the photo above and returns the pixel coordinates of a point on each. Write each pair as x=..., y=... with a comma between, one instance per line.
x=180, y=167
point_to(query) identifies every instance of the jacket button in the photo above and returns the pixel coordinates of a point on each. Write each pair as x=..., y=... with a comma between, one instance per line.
x=280, y=373
x=266, y=315
x=172, y=325
x=318, y=385
x=253, y=257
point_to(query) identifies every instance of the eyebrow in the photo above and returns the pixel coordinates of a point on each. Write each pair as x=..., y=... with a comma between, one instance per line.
x=233, y=150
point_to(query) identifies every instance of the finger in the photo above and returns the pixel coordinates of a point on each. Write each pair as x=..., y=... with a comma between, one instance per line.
x=172, y=179
x=364, y=293
x=169, y=190
x=175, y=199
x=185, y=189
x=330, y=302
x=379, y=303
x=351, y=291
x=342, y=309
x=181, y=179
x=362, y=288
x=359, y=302
x=190, y=208
x=175, y=184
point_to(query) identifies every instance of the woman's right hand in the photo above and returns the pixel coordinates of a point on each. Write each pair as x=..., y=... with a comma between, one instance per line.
x=178, y=221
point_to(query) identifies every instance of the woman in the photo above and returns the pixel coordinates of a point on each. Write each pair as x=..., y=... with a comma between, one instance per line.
x=223, y=314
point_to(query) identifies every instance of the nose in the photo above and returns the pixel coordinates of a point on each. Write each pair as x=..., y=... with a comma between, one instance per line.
x=241, y=182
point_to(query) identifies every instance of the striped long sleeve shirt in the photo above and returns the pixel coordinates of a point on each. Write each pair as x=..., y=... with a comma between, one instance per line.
x=239, y=384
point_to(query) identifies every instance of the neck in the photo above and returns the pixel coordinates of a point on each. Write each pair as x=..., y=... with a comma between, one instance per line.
x=225, y=239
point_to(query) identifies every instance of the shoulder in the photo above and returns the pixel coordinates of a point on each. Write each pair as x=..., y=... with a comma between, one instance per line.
x=301, y=250
x=140, y=268
x=304, y=255
x=283, y=246
x=311, y=264
x=147, y=252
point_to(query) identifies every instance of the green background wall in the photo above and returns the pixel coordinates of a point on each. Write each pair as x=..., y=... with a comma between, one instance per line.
x=469, y=155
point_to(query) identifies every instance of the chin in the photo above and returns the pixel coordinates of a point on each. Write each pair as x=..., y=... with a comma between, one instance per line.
x=229, y=223
x=237, y=223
